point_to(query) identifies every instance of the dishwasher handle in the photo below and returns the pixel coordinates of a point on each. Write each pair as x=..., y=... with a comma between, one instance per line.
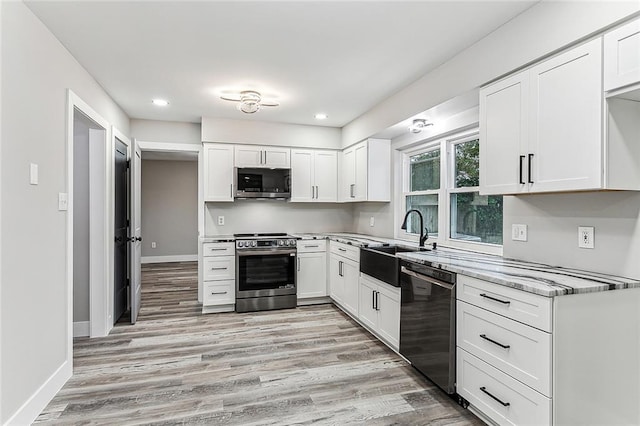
x=430, y=280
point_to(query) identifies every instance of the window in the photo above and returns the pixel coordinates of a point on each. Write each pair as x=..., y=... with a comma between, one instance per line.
x=447, y=194
x=424, y=187
x=472, y=217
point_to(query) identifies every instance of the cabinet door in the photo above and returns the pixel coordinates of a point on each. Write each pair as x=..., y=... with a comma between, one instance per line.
x=351, y=273
x=276, y=157
x=361, y=159
x=366, y=311
x=566, y=121
x=389, y=315
x=622, y=56
x=348, y=178
x=218, y=172
x=336, y=278
x=312, y=275
x=503, y=135
x=325, y=174
x=248, y=156
x=301, y=175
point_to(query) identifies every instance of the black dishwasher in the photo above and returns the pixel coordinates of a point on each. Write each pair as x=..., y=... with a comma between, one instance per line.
x=428, y=322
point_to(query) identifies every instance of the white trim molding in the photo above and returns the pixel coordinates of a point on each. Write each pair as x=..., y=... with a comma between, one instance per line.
x=166, y=259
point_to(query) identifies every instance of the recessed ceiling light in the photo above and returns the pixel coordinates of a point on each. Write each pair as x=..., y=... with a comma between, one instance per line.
x=160, y=102
x=321, y=116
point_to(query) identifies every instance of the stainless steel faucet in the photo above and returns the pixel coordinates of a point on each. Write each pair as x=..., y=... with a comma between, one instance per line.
x=423, y=237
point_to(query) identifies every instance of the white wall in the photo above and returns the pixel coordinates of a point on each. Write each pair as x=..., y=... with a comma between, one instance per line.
x=165, y=131
x=544, y=28
x=169, y=208
x=265, y=133
x=277, y=216
x=553, y=221
x=36, y=73
x=81, y=126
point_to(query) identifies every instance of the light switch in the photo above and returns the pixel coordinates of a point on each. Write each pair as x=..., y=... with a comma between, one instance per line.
x=519, y=232
x=372, y=221
x=63, y=201
x=33, y=174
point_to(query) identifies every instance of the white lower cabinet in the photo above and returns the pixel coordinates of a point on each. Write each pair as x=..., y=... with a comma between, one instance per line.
x=526, y=359
x=312, y=269
x=344, y=271
x=218, y=272
x=379, y=309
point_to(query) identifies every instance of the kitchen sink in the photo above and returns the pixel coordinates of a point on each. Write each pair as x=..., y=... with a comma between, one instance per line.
x=381, y=262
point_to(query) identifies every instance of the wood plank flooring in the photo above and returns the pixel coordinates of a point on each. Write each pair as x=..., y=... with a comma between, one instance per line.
x=300, y=366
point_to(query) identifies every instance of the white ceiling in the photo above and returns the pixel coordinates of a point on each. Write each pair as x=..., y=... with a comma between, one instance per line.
x=337, y=57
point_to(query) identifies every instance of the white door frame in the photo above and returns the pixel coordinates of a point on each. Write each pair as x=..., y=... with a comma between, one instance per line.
x=185, y=147
x=102, y=249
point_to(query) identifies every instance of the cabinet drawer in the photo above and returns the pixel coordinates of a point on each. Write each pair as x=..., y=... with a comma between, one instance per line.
x=218, y=268
x=500, y=397
x=529, y=308
x=346, y=250
x=219, y=293
x=311, y=246
x=528, y=355
x=218, y=249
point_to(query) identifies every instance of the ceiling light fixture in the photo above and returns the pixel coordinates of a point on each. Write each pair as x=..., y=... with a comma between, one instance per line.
x=249, y=101
x=419, y=124
x=321, y=116
x=160, y=102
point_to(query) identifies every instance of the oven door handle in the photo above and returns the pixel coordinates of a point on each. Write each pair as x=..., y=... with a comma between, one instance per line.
x=264, y=252
x=426, y=278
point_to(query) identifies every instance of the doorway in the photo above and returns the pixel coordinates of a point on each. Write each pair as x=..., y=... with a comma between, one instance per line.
x=121, y=230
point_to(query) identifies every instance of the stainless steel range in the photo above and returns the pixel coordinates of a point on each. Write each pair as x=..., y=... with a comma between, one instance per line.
x=265, y=272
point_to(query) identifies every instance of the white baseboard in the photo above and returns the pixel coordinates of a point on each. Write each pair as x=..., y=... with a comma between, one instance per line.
x=32, y=408
x=163, y=259
x=81, y=329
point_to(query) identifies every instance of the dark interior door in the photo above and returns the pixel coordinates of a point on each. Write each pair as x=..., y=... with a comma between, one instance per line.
x=121, y=238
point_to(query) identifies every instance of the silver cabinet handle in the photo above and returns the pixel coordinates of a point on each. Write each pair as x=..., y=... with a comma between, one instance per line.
x=265, y=157
x=260, y=156
x=373, y=300
x=217, y=249
x=218, y=269
x=352, y=188
x=231, y=190
x=298, y=264
x=341, y=249
x=311, y=246
x=218, y=292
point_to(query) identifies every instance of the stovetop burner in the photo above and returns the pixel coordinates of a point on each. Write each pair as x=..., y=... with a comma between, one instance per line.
x=261, y=235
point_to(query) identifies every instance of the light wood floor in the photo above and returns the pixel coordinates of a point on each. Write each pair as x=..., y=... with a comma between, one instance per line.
x=298, y=366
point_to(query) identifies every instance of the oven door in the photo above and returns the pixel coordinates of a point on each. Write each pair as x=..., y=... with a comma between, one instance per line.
x=265, y=273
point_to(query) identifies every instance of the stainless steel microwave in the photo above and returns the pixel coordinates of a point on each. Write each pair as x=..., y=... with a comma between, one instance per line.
x=262, y=183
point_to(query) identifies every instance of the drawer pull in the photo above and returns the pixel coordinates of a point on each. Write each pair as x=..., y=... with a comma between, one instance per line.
x=484, y=336
x=218, y=269
x=504, y=404
x=311, y=246
x=341, y=249
x=218, y=292
x=217, y=249
x=506, y=302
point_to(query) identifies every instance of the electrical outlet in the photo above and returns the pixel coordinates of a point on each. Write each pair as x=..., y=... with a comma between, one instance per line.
x=372, y=221
x=153, y=244
x=519, y=232
x=221, y=220
x=586, y=236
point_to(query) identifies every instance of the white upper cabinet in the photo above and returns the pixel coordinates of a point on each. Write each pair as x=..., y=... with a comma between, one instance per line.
x=314, y=175
x=622, y=56
x=366, y=171
x=541, y=129
x=218, y=172
x=262, y=156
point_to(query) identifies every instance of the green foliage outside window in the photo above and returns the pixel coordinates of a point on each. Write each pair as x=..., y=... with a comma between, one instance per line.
x=425, y=171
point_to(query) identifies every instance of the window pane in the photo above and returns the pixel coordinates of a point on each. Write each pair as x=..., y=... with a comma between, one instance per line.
x=428, y=206
x=476, y=217
x=425, y=171
x=467, y=164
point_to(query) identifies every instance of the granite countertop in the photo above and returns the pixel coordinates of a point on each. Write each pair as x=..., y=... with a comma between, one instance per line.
x=538, y=278
x=217, y=238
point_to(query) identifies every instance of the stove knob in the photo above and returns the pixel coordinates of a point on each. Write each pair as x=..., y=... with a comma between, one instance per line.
x=240, y=244
x=292, y=242
x=286, y=242
x=254, y=243
x=280, y=242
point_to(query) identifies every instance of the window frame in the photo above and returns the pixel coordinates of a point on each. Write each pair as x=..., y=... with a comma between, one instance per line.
x=447, y=146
